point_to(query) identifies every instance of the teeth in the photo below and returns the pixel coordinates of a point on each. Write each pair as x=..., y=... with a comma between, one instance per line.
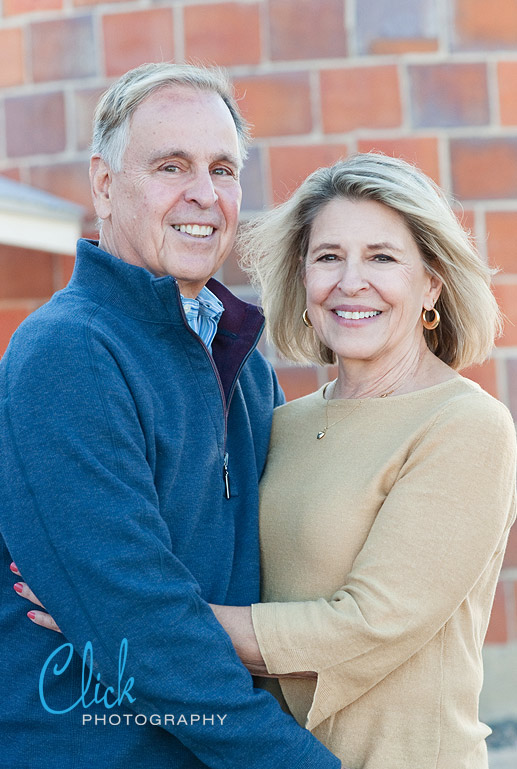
x=197, y=230
x=357, y=315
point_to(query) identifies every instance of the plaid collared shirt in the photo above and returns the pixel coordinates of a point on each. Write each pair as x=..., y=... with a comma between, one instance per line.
x=203, y=314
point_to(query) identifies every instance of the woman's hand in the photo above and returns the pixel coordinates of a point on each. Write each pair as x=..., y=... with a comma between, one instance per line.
x=237, y=622
x=38, y=617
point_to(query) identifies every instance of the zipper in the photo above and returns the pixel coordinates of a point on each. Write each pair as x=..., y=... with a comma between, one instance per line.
x=226, y=477
x=226, y=404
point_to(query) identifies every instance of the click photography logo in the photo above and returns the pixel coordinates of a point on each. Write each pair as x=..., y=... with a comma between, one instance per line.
x=95, y=693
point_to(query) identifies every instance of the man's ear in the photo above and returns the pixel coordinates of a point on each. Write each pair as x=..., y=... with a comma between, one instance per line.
x=100, y=182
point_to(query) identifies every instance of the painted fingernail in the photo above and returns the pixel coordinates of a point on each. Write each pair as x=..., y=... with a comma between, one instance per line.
x=13, y=567
x=18, y=587
x=31, y=615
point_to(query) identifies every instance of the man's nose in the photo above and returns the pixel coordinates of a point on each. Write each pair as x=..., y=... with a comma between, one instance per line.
x=200, y=189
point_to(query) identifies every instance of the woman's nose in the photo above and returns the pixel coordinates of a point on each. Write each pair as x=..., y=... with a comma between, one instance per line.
x=353, y=277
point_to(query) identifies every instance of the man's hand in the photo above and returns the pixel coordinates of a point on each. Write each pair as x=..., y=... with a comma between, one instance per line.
x=38, y=617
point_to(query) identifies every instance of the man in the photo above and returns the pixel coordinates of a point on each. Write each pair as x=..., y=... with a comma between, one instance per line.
x=134, y=427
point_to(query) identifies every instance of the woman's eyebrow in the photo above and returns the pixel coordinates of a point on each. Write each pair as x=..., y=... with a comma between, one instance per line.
x=384, y=244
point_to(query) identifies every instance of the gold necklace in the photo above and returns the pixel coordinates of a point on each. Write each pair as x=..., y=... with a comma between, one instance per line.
x=322, y=433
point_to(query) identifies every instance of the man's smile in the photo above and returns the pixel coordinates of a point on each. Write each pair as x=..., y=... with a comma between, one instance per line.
x=196, y=230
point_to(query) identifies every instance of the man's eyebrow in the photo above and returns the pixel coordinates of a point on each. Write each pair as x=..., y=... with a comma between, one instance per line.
x=222, y=157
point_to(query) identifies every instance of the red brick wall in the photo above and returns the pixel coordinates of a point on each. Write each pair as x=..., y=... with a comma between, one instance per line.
x=432, y=81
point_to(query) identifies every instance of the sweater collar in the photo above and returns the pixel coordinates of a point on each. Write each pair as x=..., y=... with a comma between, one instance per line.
x=136, y=292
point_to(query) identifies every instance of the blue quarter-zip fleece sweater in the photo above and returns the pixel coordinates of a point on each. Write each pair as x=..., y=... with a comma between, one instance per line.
x=114, y=427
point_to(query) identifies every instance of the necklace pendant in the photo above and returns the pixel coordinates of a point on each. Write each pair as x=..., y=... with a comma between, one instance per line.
x=321, y=434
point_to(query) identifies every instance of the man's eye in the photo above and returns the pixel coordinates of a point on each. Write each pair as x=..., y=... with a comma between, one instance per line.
x=170, y=168
x=222, y=172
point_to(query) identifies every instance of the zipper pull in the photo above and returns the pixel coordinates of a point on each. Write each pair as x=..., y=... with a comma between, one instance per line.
x=226, y=477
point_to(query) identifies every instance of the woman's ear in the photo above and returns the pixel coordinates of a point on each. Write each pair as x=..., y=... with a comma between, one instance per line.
x=433, y=293
x=100, y=182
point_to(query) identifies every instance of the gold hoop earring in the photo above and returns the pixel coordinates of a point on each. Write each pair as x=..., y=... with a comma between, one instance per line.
x=306, y=319
x=430, y=324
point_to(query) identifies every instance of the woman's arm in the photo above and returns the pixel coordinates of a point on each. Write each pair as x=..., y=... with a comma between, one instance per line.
x=237, y=622
x=443, y=523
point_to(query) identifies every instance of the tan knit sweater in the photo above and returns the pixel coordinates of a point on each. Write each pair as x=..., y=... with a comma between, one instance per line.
x=381, y=546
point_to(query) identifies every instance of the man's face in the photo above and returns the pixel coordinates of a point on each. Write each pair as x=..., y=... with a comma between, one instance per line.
x=174, y=206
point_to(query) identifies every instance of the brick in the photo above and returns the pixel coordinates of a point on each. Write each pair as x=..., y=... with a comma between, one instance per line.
x=252, y=182
x=63, y=270
x=136, y=37
x=360, y=97
x=296, y=382
x=11, y=173
x=501, y=229
x=511, y=373
x=237, y=40
x=510, y=557
x=506, y=295
x=66, y=180
x=291, y=165
x=404, y=45
x=63, y=49
x=10, y=319
x=26, y=274
x=485, y=375
x=467, y=219
x=444, y=95
x=480, y=27
x=35, y=124
x=14, y=7
x=276, y=104
x=12, y=69
x=82, y=3
x=497, y=632
x=484, y=168
x=232, y=273
x=507, y=77
x=421, y=151
x=303, y=29
x=90, y=227
x=511, y=607
x=396, y=26
x=85, y=102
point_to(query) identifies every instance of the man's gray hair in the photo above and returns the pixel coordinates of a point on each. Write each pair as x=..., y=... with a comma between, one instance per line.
x=116, y=106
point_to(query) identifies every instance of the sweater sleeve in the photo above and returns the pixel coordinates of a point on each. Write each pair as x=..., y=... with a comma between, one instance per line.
x=80, y=516
x=445, y=519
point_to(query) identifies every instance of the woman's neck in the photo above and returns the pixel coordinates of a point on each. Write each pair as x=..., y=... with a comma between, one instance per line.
x=415, y=370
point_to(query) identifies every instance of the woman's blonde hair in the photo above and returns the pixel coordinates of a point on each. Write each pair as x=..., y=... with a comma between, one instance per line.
x=275, y=246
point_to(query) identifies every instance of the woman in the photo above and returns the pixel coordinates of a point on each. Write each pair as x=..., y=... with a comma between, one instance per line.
x=389, y=493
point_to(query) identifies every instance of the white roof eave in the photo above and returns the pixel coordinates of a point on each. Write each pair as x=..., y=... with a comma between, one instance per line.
x=31, y=218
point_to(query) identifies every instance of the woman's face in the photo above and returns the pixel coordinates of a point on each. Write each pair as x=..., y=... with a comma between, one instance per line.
x=366, y=282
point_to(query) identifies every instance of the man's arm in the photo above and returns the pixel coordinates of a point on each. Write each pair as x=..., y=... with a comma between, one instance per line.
x=97, y=552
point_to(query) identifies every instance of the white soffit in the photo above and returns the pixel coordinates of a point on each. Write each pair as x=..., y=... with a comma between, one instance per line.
x=31, y=218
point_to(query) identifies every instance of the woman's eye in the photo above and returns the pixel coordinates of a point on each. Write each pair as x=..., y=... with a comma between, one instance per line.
x=383, y=258
x=327, y=258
